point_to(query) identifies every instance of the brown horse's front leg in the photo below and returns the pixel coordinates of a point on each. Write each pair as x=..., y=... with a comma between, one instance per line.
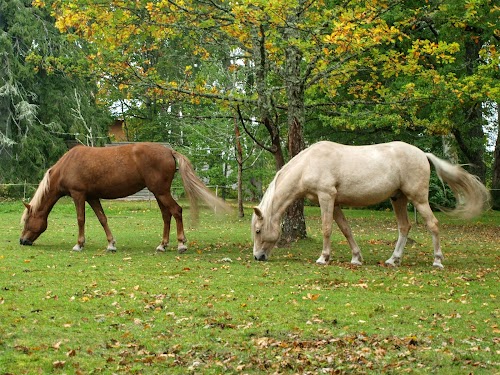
x=99, y=212
x=80, y=217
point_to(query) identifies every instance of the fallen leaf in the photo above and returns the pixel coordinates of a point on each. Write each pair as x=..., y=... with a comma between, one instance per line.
x=58, y=364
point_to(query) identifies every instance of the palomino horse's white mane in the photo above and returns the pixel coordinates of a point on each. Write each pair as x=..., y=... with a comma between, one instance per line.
x=266, y=204
x=37, y=199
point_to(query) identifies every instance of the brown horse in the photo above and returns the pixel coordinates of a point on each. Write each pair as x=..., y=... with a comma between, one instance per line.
x=90, y=173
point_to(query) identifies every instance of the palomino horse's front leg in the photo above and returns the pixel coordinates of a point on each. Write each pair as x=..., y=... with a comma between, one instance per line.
x=169, y=207
x=326, y=203
x=338, y=215
x=79, y=201
x=99, y=212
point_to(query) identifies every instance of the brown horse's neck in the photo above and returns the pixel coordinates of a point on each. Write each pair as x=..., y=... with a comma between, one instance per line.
x=45, y=197
x=45, y=209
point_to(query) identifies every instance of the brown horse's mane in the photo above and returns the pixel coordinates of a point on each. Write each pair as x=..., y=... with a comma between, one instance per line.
x=39, y=196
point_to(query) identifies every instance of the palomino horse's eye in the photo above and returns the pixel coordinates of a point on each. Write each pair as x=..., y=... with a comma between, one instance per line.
x=257, y=230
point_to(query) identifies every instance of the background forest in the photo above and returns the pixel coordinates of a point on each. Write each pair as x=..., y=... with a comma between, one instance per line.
x=240, y=87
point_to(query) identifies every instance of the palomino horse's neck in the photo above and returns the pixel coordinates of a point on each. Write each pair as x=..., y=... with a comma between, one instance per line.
x=281, y=193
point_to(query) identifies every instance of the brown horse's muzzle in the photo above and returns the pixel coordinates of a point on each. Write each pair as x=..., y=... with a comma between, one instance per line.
x=25, y=242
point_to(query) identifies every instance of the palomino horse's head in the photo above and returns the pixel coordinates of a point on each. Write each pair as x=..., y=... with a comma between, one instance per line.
x=34, y=226
x=265, y=235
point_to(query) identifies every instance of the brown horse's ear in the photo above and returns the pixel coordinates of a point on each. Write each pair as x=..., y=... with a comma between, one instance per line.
x=258, y=213
x=26, y=205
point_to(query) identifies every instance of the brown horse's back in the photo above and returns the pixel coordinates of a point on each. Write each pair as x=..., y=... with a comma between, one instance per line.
x=114, y=172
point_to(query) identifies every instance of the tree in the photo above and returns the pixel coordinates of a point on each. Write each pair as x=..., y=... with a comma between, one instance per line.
x=495, y=185
x=290, y=58
x=36, y=95
x=286, y=48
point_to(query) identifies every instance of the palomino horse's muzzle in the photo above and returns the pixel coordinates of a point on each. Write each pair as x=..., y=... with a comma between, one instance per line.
x=261, y=258
x=25, y=242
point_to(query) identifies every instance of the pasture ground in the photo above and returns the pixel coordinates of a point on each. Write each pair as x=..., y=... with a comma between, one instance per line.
x=215, y=310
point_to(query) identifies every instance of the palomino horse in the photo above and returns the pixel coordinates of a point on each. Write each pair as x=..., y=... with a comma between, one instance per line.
x=335, y=175
x=91, y=173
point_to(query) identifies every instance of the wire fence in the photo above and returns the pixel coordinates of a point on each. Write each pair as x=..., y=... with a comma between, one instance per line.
x=25, y=191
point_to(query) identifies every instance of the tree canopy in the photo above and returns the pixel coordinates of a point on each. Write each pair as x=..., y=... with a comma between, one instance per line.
x=291, y=72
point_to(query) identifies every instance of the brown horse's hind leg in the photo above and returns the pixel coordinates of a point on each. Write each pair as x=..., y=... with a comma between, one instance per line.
x=79, y=201
x=169, y=207
x=338, y=215
x=99, y=212
x=166, y=216
x=399, y=205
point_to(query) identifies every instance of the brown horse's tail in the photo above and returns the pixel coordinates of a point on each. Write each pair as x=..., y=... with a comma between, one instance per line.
x=473, y=198
x=195, y=188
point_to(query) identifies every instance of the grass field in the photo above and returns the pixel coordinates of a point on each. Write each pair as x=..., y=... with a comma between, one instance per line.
x=215, y=310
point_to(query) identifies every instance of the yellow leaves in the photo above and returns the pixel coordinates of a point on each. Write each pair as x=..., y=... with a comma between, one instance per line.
x=442, y=51
x=311, y=297
x=349, y=35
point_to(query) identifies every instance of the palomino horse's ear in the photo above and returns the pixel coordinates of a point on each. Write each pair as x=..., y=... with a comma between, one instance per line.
x=258, y=212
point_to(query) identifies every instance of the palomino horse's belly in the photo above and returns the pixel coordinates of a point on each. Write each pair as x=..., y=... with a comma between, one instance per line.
x=353, y=199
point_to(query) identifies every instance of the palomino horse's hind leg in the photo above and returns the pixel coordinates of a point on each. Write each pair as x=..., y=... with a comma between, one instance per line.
x=432, y=225
x=338, y=215
x=399, y=205
x=169, y=208
x=99, y=212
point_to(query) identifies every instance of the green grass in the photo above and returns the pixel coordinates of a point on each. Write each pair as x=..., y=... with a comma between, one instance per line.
x=215, y=310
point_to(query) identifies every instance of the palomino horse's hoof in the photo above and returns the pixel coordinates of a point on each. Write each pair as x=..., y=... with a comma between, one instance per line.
x=392, y=263
x=322, y=261
x=437, y=265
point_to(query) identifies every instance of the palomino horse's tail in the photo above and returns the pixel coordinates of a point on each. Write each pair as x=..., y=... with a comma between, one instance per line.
x=195, y=188
x=472, y=196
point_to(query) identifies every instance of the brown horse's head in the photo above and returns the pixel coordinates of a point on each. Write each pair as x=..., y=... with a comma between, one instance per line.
x=34, y=225
x=265, y=235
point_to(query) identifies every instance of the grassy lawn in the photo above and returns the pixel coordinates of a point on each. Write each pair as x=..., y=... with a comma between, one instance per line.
x=215, y=310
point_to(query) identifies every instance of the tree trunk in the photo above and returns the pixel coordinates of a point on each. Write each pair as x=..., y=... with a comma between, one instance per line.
x=495, y=185
x=239, y=160
x=470, y=136
x=294, y=225
x=264, y=101
x=293, y=221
